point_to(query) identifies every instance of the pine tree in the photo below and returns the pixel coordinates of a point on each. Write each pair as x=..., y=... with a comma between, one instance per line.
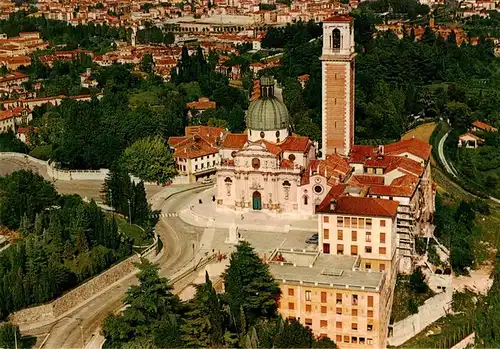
x=249, y=286
x=142, y=210
x=204, y=324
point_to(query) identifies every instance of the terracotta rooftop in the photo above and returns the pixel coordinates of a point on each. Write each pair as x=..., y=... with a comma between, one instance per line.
x=484, y=126
x=194, y=147
x=234, y=141
x=360, y=206
x=369, y=179
x=339, y=18
x=335, y=168
x=471, y=135
x=296, y=143
x=413, y=146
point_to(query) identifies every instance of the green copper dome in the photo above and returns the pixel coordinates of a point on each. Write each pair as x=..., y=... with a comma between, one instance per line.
x=267, y=113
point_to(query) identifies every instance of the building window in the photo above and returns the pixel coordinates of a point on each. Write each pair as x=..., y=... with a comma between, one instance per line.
x=336, y=38
x=346, y=339
x=323, y=323
x=354, y=326
x=202, y=166
x=368, y=223
x=291, y=157
x=382, y=238
x=354, y=340
x=323, y=335
x=354, y=250
x=382, y=222
x=338, y=338
x=347, y=222
x=262, y=134
x=354, y=299
x=338, y=324
x=213, y=163
x=339, y=298
x=369, y=341
x=354, y=222
x=361, y=223
x=368, y=249
x=368, y=266
x=326, y=219
x=326, y=248
x=291, y=306
x=369, y=313
x=381, y=250
x=318, y=189
x=369, y=328
x=308, y=322
x=340, y=221
x=308, y=295
x=305, y=200
x=323, y=309
x=308, y=308
x=354, y=234
x=382, y=267
x=354, y=312
x=340, y=234
x=195, y=167
x=370, y=301
x=340, y=249
x=339, y=311
x=291, y=292
x=368, y=236
x=326, y=233
x=323, y=297
x=361, y=340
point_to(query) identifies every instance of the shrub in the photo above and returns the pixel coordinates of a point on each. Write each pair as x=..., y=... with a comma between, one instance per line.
x=42, y=152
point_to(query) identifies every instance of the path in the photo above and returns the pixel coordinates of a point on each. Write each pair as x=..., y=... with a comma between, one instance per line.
x=85, y=320
x=449, y=166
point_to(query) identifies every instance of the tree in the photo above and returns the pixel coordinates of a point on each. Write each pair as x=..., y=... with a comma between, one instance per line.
x=459, y=114
x=417, y=282
x=8, y=335
x=251, y=292
x=152, y=309
x=149, y=159
x=24, y=193
x=147, y=63
x=142, y=210
x=205, y=322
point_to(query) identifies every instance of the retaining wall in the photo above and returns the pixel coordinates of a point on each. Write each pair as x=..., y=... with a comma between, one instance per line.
x=433, y=309
x=57, y=174
x=49, y=312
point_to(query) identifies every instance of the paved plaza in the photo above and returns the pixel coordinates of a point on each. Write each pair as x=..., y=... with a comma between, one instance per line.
x=206, y=214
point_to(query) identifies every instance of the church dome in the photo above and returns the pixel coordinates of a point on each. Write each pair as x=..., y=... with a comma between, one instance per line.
x=267, y=113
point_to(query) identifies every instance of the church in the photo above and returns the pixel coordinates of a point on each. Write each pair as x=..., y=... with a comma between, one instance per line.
x=270, y=169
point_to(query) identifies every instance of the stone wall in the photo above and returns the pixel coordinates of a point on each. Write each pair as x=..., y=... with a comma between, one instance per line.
x=433, y=309
x=50, y=311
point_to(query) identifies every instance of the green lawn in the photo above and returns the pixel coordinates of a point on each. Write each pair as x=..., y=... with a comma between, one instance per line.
x=133, y=231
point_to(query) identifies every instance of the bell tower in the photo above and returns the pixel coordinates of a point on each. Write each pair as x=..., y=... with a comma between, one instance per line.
x=338, y=85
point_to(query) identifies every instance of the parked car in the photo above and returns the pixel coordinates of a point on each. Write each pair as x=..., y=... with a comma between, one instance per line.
x=313, y=239
x=206, y=180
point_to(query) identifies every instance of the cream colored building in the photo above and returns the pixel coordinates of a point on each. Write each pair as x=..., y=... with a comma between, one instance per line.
x=335, y=296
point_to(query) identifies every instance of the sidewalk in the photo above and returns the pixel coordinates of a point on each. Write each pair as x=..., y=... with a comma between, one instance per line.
x=206, y=215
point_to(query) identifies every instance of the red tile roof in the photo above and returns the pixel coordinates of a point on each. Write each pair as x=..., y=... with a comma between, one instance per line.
x=413, y=146
x=173, y=141
x=471, y=135
x=296, y=143
x=194, y=147
x=334, y=167
x=359, y=153
x=234, y=141
x=273, y=148
x=368, y=179
x=484, y=126
x=361, y=206
x=339, y=18
x=209, y=133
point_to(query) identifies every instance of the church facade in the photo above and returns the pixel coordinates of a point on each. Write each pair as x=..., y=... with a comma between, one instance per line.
x=270, y=169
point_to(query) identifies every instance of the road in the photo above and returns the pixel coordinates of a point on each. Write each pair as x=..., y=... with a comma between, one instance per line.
x=449, y=167
x=84, y=322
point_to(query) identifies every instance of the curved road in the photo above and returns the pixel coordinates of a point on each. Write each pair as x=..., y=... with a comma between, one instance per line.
x=449, y=166
x=177, y=237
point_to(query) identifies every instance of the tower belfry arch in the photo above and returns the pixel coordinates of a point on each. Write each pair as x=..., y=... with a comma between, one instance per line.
x=337, y=66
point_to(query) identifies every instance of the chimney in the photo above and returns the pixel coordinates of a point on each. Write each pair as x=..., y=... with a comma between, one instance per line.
x=333, y=204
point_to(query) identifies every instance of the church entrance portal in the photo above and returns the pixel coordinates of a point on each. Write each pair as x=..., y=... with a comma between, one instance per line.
x=256, y=200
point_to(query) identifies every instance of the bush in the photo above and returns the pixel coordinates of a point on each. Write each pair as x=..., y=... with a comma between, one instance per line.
x=417, y=282
x=42, y=152
x=9, y=143
x=412, y=306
